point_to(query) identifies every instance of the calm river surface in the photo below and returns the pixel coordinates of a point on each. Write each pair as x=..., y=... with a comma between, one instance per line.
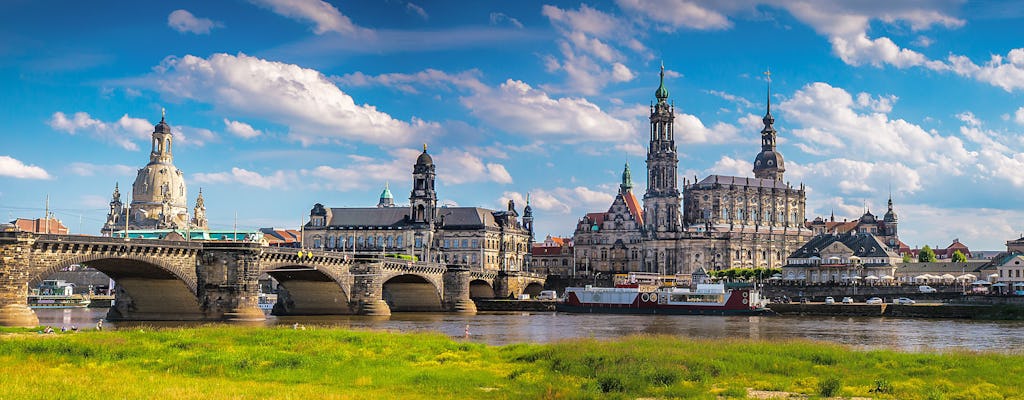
x=505, y=328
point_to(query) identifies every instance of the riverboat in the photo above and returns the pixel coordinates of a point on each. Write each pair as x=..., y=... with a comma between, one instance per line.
x=705, y=299
x=58, y=301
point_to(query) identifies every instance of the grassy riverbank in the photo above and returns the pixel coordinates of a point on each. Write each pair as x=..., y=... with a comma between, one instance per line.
x=243, y=363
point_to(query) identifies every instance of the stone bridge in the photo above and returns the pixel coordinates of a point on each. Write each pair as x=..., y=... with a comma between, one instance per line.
x=218, y=280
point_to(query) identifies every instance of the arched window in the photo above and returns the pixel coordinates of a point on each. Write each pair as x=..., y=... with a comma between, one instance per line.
x=398, y=242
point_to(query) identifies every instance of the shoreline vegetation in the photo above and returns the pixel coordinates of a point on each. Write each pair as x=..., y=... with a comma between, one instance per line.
x=329, y=363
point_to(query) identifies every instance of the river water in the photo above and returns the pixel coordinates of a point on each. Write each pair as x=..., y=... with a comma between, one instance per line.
x=906, y=334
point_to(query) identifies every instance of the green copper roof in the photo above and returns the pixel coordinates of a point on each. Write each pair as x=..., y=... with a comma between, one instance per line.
x=627, y=179
x=386, y=194
x=661, y=93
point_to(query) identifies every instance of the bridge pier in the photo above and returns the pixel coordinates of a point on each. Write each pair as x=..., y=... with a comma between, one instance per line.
x=15, y=262
x=368, y=290
x=456, y=291
x=227, y=282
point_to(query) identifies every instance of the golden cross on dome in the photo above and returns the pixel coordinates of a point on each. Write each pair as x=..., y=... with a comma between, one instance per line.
x=768, y=73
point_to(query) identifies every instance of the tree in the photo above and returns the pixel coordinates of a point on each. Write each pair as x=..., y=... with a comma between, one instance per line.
x=959, y=256
x=926, y=254
x=907, y=258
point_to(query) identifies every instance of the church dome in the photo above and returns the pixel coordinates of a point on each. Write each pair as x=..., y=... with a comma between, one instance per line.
x=424, y=158
x=868, y=217
x=890, y=216
x=769, y=159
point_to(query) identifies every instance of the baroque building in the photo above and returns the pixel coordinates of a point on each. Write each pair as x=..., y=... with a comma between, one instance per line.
x=886, y=229
x=474, y=237
x=158, y=194
x=715, y=223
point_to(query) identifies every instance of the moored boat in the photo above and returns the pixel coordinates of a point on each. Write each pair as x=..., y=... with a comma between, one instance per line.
x=707, y=299
x=58, y=301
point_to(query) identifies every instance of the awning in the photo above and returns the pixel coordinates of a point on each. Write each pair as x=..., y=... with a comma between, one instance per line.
x=1000, y=284
x=887, y=277
x=1018, y=284
x=871, y=278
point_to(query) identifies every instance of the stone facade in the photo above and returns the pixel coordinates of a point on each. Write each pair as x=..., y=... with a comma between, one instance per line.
x=716, y=223
x=159, y=196
x=471, y=237
x=841, y=258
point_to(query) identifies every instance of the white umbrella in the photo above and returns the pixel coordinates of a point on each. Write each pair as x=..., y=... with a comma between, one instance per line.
x=994, y=276
x=776, y=275
x=948, y=277
x=980, y=282
x=887, y=277
x=966, y=277
x=1018, y=284
x=871, y=278
x=1000, y=284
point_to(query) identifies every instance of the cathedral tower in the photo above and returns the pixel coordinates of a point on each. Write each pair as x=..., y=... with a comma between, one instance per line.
x=423, y=199
x=769, y=164
x=661, y=202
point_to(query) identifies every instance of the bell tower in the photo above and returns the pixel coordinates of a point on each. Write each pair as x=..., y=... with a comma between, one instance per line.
x=423, y=199
x=661, y=202
x=769, y=163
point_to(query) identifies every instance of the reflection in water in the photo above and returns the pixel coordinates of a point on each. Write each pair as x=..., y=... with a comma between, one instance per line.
x=504, y=328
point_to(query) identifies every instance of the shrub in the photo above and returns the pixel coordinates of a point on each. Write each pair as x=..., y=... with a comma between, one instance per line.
x=829, y=386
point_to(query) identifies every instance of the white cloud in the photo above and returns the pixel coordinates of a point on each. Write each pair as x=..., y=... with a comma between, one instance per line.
x=678, y=13
x=1018, y=116
x=539, y=200
x=460, y=167
x=320, y=13
x=14, y=168
x=121, y=132
x=183, y=21
x=87, y=169
x=314, y=109
x=241, y=129
x=364, y=172
x=731, y=167
x=278, y=180
x=429, y=78
x=416, y=10
x=589, y=54
x=498, y=18
x=831, y=124
x=690, y=129
x=518, y=108
x=1004, y=72
x=192, y=136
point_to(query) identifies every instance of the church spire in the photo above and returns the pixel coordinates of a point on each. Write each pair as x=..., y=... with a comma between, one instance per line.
x=769, y=163
x=627, y=180
x=661, y=94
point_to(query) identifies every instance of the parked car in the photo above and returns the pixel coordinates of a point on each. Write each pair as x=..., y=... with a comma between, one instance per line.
x=926, y=289
x=903, y=300
x=547, y=295
x=830, y=300
x=847, y=300
x=874, y=300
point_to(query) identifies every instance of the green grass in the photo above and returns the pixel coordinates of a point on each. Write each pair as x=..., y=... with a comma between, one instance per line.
x=243, y=363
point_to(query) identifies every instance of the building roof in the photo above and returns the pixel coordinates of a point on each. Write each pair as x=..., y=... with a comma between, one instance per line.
x=397, y=217
x=862, y=244
x=40, y=225
x=712, y=180
x=634, y=207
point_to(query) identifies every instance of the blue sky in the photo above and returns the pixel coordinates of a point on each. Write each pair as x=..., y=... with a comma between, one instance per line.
x=277, y=105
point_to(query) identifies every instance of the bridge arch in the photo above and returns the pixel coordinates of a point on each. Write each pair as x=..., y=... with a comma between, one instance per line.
x=481, y=289
x=310, y=290
x=411, y=292
x=148, y=288
x=533, y=289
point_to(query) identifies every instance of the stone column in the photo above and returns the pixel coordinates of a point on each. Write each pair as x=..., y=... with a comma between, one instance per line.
x=368, y=290
x=15, y=255
x=456, y=291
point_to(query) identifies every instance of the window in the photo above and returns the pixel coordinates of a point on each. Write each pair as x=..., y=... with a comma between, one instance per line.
x=316, y=242
x=475, y=244
x=419, y=242
x=447, y=243
x=465, y=243
x=360, y=241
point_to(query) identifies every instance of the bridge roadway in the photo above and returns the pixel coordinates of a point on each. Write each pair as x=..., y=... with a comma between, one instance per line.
x=218, y=280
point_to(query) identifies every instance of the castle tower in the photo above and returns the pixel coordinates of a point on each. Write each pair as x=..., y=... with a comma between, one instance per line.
x=423, y=199
x=386, y=198
x=661, y=202
x=528, y=222
x=769, y=163
x=891, y=221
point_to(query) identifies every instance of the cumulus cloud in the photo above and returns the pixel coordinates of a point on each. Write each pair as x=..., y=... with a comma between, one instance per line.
x=690, y=129
x=429, y=78
x=183, y=21
x=14, y=168
x=1018, y=116
x=1003, y=72
x=462, y=167
x=832, y=124
x=314, y=109
x=589, y=49
x=241, y=129
x=322, y=14
x=517, y=107
x=731, y=167
x=122, y=132
x=277, y=180
x=364, y=172
x=678, y=13
x=87, y=169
